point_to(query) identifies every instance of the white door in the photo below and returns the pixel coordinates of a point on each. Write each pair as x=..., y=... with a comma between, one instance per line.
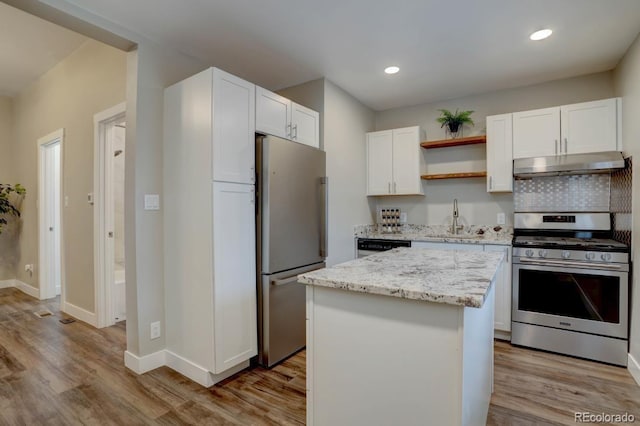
x=116, y=205
x=379, y=162
x=50, y=172
x=234, y=112
x=500, y=153
x=536, y=133
x=273, y=114
x=305, y=125
x=589, y=127
x=234, y=274
x=406, y=161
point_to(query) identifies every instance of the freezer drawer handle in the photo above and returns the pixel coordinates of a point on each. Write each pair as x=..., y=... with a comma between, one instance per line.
x=284, y=281
x=324, y=182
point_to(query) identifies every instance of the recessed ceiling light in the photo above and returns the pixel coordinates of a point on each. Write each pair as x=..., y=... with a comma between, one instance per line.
x=541, y=35
x=391, y=70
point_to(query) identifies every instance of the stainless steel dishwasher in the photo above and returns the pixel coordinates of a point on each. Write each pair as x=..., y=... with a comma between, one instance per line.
x=367, y=246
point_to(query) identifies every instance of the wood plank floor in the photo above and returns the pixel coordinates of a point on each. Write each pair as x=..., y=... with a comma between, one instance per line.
x=51, y=373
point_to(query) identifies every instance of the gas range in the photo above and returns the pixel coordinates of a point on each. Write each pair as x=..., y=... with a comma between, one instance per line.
x=570, y=286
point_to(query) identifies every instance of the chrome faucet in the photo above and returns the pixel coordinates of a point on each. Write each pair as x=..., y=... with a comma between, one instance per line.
x=454, y=225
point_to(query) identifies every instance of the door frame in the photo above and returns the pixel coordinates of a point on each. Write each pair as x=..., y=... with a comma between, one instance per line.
x=103, y=216
x=46, y=292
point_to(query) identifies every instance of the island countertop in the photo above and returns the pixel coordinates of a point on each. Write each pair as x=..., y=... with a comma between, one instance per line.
x=452, y=277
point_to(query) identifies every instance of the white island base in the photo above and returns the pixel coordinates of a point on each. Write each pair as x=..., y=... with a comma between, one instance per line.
x=380, y=360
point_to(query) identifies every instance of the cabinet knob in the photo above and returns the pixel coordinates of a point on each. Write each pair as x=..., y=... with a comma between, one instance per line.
x=566, y=143
x=490, y=182
x=295, y=130
x=556, y=140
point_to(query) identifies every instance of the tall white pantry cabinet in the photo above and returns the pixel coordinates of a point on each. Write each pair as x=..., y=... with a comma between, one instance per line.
x=209, y=225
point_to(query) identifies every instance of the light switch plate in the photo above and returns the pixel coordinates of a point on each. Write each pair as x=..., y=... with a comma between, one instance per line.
x=501, y=219
x=151, y=202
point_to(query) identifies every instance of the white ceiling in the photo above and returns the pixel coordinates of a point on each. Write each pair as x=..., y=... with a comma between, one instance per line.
x=29, y=47
x=445, y=48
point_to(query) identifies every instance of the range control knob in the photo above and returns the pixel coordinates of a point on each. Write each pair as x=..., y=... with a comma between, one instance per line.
x=542, y=253
x=566, y=254
x=589, y=256
x=529, y=253
x=605, y=256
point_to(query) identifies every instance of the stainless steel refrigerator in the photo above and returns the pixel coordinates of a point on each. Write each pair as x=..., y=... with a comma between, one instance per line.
x=291, y=192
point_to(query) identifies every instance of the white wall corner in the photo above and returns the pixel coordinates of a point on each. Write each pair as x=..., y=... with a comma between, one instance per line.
x=634, y=368
x=7, y=283
x=82, y=314
x=27, y=289
x=142, y=364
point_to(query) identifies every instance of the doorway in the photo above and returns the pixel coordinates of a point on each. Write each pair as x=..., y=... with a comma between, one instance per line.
x=50, y=214
x=110, y=152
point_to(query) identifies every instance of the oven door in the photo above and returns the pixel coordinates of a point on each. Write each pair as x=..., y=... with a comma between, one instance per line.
x=573, y=297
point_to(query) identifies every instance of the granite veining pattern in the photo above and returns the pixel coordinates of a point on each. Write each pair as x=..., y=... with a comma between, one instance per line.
x=474, y=234
x=454, y=277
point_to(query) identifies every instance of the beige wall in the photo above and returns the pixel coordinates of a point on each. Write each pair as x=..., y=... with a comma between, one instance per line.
x=9, y=236
x=346, y=122
x=476, y=205
x=88, y=81
x=627, y=85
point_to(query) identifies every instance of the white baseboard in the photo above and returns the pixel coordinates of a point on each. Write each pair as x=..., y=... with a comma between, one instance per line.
x=197, y=373
x=7, y=283
x=79, y=313
x=142, y=364
x=27, y=289
x=634, y=369
x=502, y=335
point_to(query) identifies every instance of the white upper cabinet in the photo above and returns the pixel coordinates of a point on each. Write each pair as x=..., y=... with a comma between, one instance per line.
x=536, y=133
x=393, y=162
x=273, y=113
x=305, y=125
x=569, y=129
x=500, y=153
x=233, y=128
x=590, y=127
x=278, y=116
x=379, y=165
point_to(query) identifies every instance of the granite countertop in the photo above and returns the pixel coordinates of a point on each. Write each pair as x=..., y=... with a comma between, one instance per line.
x=474, y=234
x=454, y=277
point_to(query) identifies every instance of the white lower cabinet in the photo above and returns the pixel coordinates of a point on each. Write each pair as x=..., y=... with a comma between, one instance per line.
x=502, y=316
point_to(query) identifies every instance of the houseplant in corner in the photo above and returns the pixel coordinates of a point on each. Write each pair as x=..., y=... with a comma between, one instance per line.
x=454, y=121
x=7, y=207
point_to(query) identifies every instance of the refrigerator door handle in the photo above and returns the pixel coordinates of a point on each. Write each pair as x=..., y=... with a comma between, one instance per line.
x=284, y=281
x=324, y=182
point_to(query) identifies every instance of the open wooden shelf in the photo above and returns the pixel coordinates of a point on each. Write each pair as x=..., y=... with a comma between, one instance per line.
x=454, y=175
x=471, y=140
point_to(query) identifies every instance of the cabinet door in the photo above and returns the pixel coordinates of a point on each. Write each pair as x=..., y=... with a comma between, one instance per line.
x=234, y=272
x=273, y=114
x=233, y=128
x=500, y=153
x=502, y=317
x=589, y=127
x=305, y=125
x=406, y=161
x=379, y=154
x=536, y=133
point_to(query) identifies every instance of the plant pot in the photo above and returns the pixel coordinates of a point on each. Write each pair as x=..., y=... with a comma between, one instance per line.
x=454, y=130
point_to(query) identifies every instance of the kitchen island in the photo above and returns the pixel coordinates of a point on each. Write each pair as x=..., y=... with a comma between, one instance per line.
x=402, y=337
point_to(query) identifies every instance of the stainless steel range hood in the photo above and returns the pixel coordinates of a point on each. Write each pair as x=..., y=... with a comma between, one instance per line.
x=569, y=164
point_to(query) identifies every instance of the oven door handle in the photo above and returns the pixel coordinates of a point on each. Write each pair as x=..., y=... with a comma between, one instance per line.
x=613, y=267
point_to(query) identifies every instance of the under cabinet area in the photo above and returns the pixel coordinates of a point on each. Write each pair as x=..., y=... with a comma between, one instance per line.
x=502, y=315
x=393, y=162
x=279, y=116
x=569, y=129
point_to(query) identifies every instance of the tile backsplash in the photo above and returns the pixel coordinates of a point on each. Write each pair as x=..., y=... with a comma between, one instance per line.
x=576, y=193
x=621, y=203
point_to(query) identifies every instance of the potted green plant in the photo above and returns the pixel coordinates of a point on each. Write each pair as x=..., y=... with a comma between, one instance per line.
x=455, y=121
x=6, y=206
